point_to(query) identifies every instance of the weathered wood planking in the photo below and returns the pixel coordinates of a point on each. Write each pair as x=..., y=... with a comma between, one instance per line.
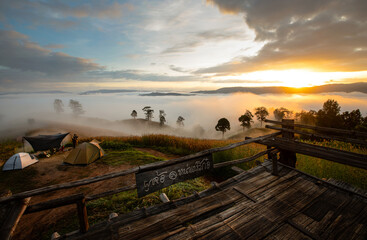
x=153, y=180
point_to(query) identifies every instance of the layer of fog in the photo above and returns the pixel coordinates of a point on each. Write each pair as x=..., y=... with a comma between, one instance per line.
x=104, y=112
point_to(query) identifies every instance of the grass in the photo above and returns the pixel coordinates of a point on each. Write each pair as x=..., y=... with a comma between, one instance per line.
x=326, y=169
x=130, y=157
x=124, y=202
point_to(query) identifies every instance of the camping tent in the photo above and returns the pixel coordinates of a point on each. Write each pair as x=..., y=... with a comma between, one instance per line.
x=96, y=142
x=46, y=142
x=19, y=161
x=84, y=153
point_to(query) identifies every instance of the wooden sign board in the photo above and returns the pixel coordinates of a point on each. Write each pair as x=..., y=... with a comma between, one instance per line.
x=153, y=180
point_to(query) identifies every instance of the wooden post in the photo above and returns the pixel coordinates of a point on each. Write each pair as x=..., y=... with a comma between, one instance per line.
x=275, y=164
x=13, y=215
x=82, y=214
x=287, y=157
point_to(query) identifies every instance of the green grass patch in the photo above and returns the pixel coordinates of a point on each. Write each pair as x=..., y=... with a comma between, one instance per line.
x=99, y=210
x=130, y=157
x=7, y=149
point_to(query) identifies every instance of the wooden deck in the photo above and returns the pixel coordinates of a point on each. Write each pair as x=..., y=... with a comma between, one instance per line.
x=252, y=205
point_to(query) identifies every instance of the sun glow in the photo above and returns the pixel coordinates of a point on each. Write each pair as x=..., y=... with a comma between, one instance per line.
x=292, y=78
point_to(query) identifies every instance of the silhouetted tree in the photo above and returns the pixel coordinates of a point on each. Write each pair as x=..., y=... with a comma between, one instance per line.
x=281, y=113
x=261, y=114
x=329, y=115
x=58, y=106
x=180, y=122
x=134, y=114
x=363, y=126
x=307, y=117
x=352, y=119
x=76, y=107
x=148, y=113
x=162, y=117
x=223, y=125
x=246, y=120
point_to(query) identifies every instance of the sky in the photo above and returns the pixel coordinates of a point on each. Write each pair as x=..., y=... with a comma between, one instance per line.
x=164, y=45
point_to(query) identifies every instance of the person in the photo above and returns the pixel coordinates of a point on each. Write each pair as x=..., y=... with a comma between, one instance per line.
x=75, y=140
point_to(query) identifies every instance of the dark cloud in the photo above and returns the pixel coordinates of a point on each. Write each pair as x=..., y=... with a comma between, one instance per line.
x=328, y=35
x=178, y=69
x=140, y=76
x=17, y=52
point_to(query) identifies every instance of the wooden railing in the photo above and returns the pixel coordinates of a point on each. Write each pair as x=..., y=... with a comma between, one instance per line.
x=286, y=145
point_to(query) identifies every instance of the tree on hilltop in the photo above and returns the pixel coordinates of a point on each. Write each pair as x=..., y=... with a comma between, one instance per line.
x=76, y=107
x=223, y=125
x=261, y=114
x=246, y=120
x=329, y=115
x=162, y=117
x=180, y=122
x=148, y=112
x=58, y=106
x=281, y=113
x=134, y=114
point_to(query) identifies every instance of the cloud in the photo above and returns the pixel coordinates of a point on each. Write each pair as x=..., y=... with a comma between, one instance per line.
x=140, y=76
x=17, y=52
x=61, y=14
x=55, y=46
x=328, y=35
x=178, y=69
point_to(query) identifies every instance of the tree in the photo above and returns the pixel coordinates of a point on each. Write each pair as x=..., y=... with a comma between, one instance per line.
x=134, y=114
x=281, y=113
x=261, y=114
x=148, y=113
x=76, y=107
x=246, y=120
x=329, y=115
x=180, y=122
x=58, y=106
x=307, y=117
x=352, y=119
x=162, y=117
x=223, y=125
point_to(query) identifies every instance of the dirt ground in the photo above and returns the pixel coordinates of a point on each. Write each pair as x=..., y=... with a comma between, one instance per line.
x=52, y=171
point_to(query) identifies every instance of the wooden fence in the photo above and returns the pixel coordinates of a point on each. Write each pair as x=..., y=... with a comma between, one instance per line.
x=286, y=145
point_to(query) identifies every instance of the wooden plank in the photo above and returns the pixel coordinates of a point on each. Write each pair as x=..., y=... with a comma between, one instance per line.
x=77, y=183
x=15, y=212
x=82, y=215
x=112, y=192
x=335, y=155
x=243, y=160
x=325, y=129
x=152, y=180
x=313, y=135
x=54, y=203
x=286, y=231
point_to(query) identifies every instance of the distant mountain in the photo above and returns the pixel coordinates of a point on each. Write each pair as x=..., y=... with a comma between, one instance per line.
x=347, y=88
x=38, y=92
x=107, y=91
x=159, y=94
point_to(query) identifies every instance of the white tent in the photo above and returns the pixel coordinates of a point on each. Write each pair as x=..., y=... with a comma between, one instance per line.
x=19, y=161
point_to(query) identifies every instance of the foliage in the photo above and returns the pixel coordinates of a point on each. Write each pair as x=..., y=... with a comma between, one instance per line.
x=308, y=118
x=148, y=112
x=223, y=125
x=329, y=115
x=280, y=113
x=261, y=114
x=352, y=119
x=76, y=107
x=180, y=122
x=246, y=120
x=134, y=114
x=58, y=106
x=115, y=145
x=162, y=117
x=7, y=149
